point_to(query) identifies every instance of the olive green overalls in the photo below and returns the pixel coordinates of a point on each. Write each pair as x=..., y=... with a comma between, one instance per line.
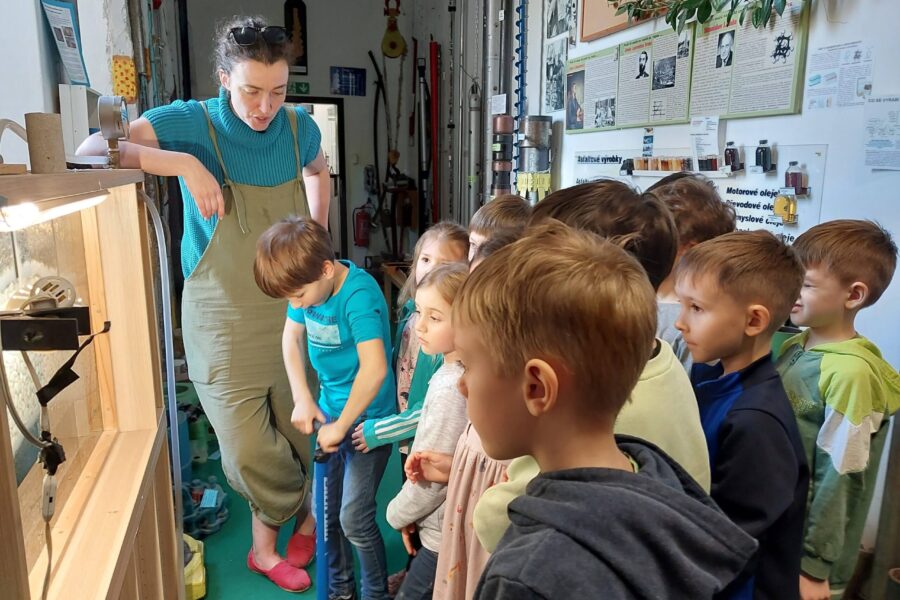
x=232, y=337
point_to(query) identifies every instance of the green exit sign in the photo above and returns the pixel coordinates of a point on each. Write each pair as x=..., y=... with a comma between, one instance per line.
x=298, y=88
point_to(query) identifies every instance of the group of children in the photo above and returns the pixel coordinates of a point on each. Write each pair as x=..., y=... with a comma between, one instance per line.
x=592, y=400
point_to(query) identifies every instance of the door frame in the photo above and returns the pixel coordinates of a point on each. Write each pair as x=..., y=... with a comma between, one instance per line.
x=342, y=165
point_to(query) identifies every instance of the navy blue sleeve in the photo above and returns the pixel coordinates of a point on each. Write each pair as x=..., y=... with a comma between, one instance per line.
x=756, y=471
x=498, y=588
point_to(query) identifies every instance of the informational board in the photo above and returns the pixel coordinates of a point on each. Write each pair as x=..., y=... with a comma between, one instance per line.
x=753, y=195
x=601, y=164
x=839, y=75
x=599, y=18
x=741, y=71
x=642, y=82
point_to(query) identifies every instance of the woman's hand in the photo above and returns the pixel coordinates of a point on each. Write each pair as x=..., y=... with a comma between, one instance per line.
x=204, y=188
x=428, y=466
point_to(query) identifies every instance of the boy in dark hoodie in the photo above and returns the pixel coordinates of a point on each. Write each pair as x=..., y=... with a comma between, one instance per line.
x=842, y=391
x=735, y=291
x=553, y=332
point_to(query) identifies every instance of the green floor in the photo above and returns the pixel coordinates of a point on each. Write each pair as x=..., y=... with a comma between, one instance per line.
x=226, y=551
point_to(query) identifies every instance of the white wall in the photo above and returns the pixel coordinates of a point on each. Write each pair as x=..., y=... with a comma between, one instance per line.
x=28, y=75
x=341, y=32
x=850, y=190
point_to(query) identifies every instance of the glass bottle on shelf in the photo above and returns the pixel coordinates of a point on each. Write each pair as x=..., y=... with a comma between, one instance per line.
x=793, y=178
x=732, y=159
x=764, y=156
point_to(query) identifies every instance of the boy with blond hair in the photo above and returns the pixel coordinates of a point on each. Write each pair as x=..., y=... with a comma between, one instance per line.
x=842, y=392
x=700, y=214
x=735, y=291
x=571, y=321
x=506, y=214
x=662, y=408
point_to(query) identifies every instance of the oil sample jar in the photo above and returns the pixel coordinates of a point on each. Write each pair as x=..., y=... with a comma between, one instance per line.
x=732, y=158
x=764, y=156
x=793, y=178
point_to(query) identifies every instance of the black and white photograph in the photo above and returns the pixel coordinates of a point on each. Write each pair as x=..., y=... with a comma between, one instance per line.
x=575, y=100
x=725, y=53
x=557, y=13
x=664, y=73
x=605, y=112
x=684, y=44
x=58, y=33
x=643, y=66
x=555, y=54
x=572, y=20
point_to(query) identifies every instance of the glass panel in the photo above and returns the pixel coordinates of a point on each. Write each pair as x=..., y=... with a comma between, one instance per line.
x=48, y=249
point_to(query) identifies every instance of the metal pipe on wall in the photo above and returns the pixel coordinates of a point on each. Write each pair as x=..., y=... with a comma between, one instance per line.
x=490, y=86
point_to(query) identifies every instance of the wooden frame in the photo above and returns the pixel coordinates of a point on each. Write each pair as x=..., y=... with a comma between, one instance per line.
x=599, y=19
x=114, y=536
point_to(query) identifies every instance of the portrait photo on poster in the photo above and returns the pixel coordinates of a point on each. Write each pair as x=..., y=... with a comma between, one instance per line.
x=664, y=73
x=643, y=69
x=555, y=54
x=725, y=53
x=575, y=100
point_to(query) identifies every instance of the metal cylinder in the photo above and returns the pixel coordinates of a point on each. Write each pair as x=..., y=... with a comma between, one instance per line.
x=503, y=124
x=533, y=160
x=474, y=189
x=536, y=131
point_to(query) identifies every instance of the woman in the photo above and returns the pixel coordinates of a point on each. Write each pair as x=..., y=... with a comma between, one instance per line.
x=243, y=161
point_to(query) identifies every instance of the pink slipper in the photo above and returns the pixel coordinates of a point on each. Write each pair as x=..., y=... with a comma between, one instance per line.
x=288, y=578
x=301, y=550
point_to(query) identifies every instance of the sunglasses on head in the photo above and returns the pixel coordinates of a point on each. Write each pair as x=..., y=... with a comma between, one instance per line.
x=248, y=36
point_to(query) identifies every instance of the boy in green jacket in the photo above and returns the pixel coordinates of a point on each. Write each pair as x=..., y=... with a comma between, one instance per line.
x=842, y=392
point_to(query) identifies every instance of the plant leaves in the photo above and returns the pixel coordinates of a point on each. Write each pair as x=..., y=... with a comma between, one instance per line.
x=757, y=18
x=682, y=19
x=718, y=5
x=779, y=6
x=704, y=12
x=622, y=9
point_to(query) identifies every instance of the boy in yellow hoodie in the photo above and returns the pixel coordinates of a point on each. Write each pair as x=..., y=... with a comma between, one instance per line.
x=842, y=392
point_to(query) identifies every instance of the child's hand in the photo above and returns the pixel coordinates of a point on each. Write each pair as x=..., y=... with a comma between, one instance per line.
x=330, y=437
x=359, y=440
x=428, y=466
x=814, y=589
x=406, y=532
x=304, y=416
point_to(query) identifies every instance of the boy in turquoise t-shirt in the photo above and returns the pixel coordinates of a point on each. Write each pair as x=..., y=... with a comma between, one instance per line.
x=842, y=392
x=342, y=311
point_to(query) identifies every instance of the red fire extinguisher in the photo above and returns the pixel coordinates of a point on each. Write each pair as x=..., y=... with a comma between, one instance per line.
x=362, y=225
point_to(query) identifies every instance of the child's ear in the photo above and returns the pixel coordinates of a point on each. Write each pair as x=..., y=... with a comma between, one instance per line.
x=857, y=295
x=540, y=387
x=328, y=269
x=758, y=320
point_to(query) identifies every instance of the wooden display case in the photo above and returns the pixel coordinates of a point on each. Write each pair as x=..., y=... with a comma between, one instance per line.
x=113, y=534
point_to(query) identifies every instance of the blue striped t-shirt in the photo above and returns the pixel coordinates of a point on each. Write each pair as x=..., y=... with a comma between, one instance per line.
x=264, y=158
